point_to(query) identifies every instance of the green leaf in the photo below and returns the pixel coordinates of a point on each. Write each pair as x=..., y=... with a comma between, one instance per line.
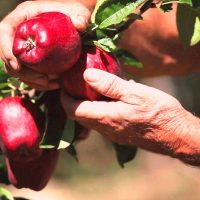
x=107, y=44
x=126, y=23
x=126, y=58
x=3, y=85
x=112, y=12
x=196, y=35
x=3, y=174
x=101, y=33
x=192, y=3
x=55, y=119
x=5, y=194
x=166, y=7
x=188, y=24
x=14, y=82
x=189, y=2
x=72, y=151
x=124, y=153
x=69, y=131
x=3, y=75
x=1, y=63
x=46, y=146
x=196, y=3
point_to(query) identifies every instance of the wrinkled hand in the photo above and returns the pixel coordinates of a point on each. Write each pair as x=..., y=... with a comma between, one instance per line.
x=79, y=15
x=138, y=115
x=159, y=48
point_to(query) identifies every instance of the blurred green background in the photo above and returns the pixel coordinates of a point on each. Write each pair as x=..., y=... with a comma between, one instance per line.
x=97, y=175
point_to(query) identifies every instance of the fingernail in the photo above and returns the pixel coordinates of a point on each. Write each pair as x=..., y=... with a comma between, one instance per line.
x=82, y=20
x=14, y=65
x=92, y=75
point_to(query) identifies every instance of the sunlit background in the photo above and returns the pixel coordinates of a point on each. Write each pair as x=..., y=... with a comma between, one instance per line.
x=98, y=176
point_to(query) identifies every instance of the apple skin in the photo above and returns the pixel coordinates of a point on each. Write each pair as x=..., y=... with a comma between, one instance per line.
x=34, y=174
x=91, y=57
x=21, y=128
x=47, y=43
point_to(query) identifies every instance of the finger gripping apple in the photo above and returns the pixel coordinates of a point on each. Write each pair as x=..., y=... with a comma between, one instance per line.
x=91, y=57
x=47, y=43
x=21, y=128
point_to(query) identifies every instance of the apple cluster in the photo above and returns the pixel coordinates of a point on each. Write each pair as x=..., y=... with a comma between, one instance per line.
x=22, y=126
x=49, y=44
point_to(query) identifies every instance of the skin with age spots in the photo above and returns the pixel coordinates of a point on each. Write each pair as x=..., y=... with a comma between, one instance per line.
x=139, y=116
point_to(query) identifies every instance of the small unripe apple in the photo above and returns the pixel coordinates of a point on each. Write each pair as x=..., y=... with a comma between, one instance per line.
x=47, y=43
x=21, y=128
x=34, y=174
x=91, y=57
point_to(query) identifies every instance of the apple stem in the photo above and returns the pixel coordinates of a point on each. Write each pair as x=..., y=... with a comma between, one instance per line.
x=29, y=45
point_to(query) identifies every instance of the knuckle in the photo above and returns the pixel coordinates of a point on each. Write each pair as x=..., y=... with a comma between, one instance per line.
x=114, y=87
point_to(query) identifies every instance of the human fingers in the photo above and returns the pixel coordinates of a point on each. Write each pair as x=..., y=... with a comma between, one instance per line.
x=79, y=14
x=76, y=109
x=52, y=85
x=92, y=110
x=108, y=84
x=76, y=11
x=27, y=75
x=34, y=79
x=6, y=42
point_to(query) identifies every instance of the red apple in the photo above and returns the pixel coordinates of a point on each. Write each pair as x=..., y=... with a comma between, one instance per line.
x=47, y=43
x=34, y=174
x=21, y=128
x=91, y=57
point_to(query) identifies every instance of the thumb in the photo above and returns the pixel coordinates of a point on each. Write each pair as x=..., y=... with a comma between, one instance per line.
x=80, y=16
x=106, y=83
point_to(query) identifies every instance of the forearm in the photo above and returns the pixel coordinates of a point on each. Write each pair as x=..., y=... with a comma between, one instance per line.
x=159, y=49
x=178, y=137
x=188, y=146
x=169, y=129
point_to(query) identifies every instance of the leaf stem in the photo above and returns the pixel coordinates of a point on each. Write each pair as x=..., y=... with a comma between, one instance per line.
x=169, y=2
x=89, y=31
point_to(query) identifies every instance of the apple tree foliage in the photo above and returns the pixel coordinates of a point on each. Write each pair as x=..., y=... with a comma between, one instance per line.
x=109, y=20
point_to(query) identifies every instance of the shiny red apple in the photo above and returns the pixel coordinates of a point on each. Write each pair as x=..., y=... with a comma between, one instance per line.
x=47, y=43
x=34, y=174
x=21, y=128
x=91, y=57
